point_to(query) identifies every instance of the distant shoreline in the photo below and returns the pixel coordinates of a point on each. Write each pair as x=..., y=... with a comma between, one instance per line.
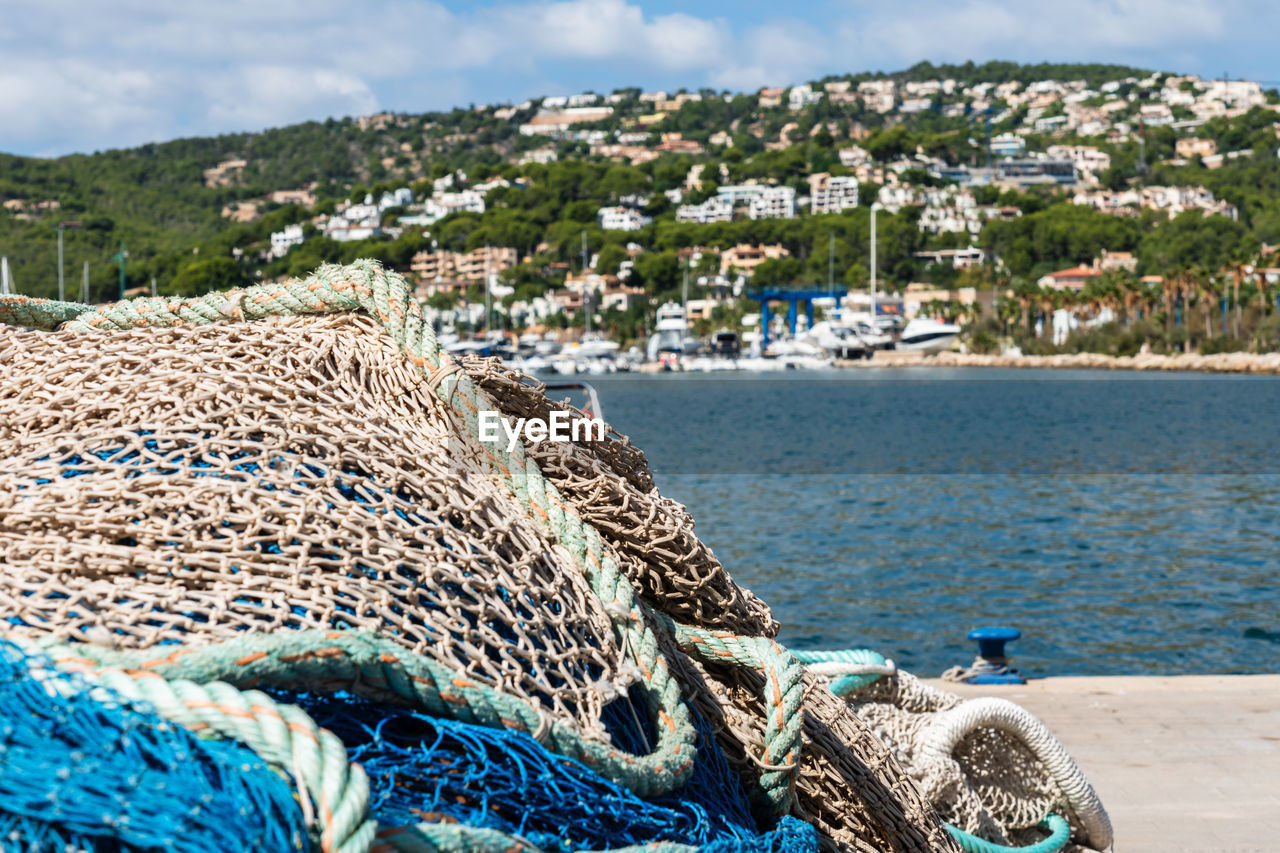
x=1229, y=362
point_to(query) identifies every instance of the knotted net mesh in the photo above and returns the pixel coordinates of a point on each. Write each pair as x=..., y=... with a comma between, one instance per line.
x=186, y=484
x=992, y=782
x=194, y=483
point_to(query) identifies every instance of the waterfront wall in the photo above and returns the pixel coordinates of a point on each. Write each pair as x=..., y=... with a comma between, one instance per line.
x=1231, y=362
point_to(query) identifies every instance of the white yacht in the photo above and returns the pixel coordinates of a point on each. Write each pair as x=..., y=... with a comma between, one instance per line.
x=924, y=334
x=800, y=354
x=839, y=340
x=671, y=334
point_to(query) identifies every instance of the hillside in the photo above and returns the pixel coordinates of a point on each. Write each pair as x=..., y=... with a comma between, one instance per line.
x=549, y=167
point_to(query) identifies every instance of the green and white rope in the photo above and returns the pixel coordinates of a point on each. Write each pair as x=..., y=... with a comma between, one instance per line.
x=847, y=669
x=359, y=659
x=783, y=699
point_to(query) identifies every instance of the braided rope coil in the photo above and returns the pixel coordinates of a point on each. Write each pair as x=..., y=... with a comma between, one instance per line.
x=950, y=727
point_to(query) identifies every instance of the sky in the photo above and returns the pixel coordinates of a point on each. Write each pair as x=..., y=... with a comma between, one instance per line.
x=84, y=75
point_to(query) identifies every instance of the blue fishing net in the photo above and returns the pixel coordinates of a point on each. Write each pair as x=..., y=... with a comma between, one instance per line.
x=86, y=771
x=423, y=768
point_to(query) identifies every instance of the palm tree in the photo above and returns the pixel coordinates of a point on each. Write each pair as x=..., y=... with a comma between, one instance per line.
x=1049, y=299
x=1129, y=296
x=1187, y=286
x=1171, y=286
x=1008, y=311
x=1206, y=285
x=1264, y=260
x=1148, y=296
x=1026, y=293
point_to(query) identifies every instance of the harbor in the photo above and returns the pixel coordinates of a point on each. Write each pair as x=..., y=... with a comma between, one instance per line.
x=608, y=426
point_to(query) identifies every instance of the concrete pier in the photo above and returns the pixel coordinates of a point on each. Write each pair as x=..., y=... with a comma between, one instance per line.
x=1181, y=763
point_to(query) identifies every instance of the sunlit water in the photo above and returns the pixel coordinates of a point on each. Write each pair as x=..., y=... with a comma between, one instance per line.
x=1126, y=523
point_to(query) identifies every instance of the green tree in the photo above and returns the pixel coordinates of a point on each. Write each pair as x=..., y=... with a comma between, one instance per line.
x=208, y=274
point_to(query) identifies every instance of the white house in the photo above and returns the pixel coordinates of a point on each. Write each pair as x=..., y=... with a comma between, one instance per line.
x=853, y=156
x=1007, y=145
x=621, y=219
x=1087, y=158
x=282, y=241
x=345, y=233
x=467, y=201
x=802, y=96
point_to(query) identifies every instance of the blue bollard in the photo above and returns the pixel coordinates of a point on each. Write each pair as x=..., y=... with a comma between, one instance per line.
x=991, y=666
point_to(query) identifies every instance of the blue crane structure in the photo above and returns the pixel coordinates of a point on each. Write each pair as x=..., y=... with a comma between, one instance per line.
x=793, y=298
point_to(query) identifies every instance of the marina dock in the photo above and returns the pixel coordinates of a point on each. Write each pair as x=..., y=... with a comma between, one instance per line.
x=1181, y=763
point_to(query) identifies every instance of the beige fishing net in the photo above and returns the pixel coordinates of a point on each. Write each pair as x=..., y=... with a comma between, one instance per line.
x=196, y=482
x=989, y=766
x=289, y=473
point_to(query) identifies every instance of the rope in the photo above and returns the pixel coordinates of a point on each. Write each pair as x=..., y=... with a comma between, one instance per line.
x=950, y=726
x=783, y=698
x=46, y=314
x=1059, y=833
x=849, y=669
x=386, y=296
x=980, y=666
x=360, y=660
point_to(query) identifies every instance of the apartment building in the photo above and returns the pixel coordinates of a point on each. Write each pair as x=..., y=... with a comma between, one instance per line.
x=714, y=209
x=462, y=267
x=773, y=203
x=829, y=194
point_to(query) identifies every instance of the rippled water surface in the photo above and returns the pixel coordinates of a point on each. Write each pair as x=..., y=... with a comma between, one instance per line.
x=1125, y=523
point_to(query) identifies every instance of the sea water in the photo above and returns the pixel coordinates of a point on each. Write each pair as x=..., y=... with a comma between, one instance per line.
x=1124, y=522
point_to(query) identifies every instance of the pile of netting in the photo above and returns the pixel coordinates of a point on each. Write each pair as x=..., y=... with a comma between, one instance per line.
x=267, y=587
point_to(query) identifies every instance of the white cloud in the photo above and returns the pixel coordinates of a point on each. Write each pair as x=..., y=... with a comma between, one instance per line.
x=1101, y=30
x=268, y=96
x=83, y=75
x=777, y=54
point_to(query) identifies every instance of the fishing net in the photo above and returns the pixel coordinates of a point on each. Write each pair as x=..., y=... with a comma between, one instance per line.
x=166, y=485
x=85, y=772
x=285, y=488
x=991, y=768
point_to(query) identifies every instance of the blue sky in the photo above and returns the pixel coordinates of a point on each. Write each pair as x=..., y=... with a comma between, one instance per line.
x=82, y=75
